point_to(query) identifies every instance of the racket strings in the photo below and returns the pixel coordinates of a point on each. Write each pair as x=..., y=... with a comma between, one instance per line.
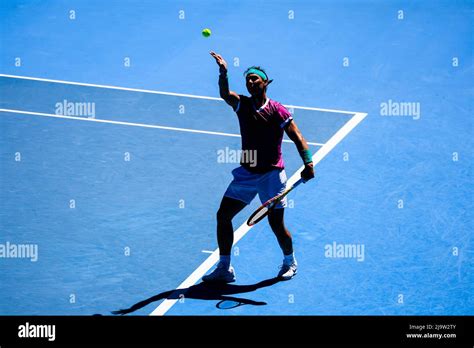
x=259, y=215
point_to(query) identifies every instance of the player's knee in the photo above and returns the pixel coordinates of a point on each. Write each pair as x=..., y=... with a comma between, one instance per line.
x=277, y=227
x=275, y=218
x=223, y=216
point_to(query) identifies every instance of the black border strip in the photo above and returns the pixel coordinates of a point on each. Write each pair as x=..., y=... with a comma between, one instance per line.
x=241, y=330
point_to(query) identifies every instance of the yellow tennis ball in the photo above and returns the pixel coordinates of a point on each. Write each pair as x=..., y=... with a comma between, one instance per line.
x=206, y=32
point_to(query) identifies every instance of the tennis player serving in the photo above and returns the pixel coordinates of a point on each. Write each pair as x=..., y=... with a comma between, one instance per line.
x=262, y=123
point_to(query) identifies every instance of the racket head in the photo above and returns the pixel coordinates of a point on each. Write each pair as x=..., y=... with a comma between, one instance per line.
x=258, y=215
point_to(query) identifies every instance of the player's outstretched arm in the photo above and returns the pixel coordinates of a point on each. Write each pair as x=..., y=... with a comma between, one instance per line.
x=229, y=96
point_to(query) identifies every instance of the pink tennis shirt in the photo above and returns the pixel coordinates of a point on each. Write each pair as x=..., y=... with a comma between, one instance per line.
x=262, y=132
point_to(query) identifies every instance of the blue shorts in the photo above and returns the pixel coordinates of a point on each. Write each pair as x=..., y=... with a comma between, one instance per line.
x=246, y=185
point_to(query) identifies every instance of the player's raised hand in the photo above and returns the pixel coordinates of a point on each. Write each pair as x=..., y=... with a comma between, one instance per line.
x=220, y=61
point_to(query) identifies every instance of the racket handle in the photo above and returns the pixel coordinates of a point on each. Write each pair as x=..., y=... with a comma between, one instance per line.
x=288, y=190
x=299, y=181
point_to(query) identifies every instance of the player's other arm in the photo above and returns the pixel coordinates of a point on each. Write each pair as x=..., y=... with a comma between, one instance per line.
x=295, y=135
x=229, y=96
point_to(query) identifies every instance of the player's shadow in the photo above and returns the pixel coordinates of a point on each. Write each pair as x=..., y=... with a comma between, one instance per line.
x=207, y=291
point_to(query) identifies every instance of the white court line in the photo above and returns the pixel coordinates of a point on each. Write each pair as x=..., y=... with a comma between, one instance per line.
x=166, y=305
x=159, y=92
x=43, y=114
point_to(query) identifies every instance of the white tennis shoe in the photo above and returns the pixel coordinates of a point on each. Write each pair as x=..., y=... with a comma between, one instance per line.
x=221, y=274
x=287, y=271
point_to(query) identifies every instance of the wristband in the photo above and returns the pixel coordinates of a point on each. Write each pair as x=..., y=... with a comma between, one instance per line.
x=306, y=156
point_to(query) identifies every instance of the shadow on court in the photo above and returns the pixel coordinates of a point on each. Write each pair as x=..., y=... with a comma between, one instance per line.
x=207, y=291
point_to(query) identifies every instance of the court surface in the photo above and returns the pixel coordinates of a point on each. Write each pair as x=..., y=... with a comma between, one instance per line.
x=115, y=151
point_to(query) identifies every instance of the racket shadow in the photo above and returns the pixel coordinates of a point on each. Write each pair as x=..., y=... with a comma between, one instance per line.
x=207, y=291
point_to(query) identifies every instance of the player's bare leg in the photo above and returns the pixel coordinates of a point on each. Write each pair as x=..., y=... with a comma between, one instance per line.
x=225, y=238
x=276, y=220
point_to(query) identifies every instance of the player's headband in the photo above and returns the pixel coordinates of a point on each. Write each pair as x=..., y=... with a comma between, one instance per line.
x=257, y=72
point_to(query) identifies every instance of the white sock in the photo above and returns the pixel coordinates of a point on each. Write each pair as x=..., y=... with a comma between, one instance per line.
x=225, y=260
x=289, y=259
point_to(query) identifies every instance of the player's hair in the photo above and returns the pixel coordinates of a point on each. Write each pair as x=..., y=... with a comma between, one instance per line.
x=259, y=68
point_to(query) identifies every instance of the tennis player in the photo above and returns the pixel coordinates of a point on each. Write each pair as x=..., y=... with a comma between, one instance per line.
x=262, y=123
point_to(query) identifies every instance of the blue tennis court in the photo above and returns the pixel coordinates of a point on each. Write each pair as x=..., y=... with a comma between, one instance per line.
x=116, y=149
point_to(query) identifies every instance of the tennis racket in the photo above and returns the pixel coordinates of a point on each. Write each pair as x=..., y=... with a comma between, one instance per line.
x=265, y=208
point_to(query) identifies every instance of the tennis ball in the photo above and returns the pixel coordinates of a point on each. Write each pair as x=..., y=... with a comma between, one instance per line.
x=206, y=32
